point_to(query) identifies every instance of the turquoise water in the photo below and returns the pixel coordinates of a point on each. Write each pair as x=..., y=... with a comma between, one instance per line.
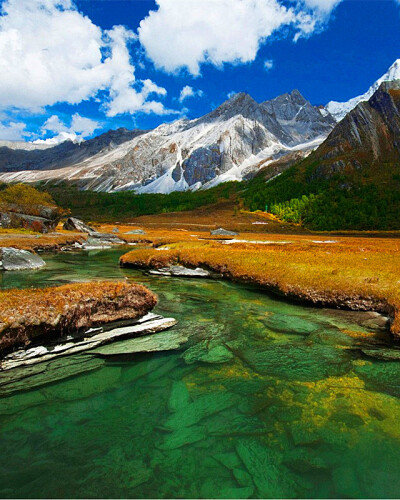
x=268, y=399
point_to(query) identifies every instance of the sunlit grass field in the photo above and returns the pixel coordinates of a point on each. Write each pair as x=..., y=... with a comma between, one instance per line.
x=350, y=272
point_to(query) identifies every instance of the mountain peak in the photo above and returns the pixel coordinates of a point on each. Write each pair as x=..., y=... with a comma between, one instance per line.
x=340, y=109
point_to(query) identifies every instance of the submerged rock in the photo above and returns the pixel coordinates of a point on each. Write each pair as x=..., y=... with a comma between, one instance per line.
x=223, y=232
x=207, y=352
x=264, y=466
x=202, y=407
x=12, y=259
x=181, y=271
x=179, y=397
x=165, y=341
x=182, y=437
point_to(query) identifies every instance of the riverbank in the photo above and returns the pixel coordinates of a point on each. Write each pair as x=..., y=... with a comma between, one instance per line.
x=341, y=272
x=54, y=312
x=29, y=240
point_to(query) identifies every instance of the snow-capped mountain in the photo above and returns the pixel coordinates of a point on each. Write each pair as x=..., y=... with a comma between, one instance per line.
x=340, y=109
x=227, y=144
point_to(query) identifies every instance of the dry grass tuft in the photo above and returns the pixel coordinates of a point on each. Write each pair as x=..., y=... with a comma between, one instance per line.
x=25, y=314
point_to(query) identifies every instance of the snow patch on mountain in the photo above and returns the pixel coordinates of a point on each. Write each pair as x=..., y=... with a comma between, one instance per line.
x=340, y=109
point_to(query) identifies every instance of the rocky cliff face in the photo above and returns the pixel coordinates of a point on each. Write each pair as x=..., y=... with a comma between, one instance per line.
x=227, y=144
x=367, y=141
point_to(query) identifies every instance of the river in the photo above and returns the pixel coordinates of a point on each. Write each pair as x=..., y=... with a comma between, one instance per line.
x=268, y=399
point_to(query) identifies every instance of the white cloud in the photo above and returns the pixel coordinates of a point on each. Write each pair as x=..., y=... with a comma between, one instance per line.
x=268, y=64
x=185, y=34
x=50, y=52
x=77, y=131
x=13, y=131
x=188, y=92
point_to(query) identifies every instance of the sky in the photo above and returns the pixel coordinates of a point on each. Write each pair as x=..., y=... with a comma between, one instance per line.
x=72, y=69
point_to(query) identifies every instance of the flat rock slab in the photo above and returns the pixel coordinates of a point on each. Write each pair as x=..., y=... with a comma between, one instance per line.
x=12, y=259
x=165, y=341
x=181, y=271
x=223, y=232
x=136, y=231
x=43, y=353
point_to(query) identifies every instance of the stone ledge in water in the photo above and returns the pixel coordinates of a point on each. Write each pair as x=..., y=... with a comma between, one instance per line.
x=12, y=259
x=93, y=343
x=181, y=271
x=51, y=313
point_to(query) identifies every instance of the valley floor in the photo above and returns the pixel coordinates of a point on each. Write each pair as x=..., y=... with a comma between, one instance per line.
x=351, y=272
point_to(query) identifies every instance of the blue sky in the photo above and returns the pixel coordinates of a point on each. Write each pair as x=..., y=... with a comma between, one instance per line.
x=75, y=69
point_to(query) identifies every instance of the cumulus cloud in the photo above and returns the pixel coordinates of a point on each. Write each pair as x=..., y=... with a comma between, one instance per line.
x=217, y=31
x=13, y=131
x=185, y=34
x=268, y=64
x=79, y=128
x=50, y=52
x=188, y=92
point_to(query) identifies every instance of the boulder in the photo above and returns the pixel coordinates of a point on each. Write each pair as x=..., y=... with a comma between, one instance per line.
x=12, y=259
x=74, y=224
x=223, y=232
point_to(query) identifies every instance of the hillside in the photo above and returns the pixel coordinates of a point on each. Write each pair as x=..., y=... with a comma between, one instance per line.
x=352, y=181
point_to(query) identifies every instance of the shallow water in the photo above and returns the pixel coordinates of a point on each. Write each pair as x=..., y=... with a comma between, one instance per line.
x=268, y=399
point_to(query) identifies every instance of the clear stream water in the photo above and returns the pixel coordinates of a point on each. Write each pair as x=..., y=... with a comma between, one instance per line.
x=268, y=399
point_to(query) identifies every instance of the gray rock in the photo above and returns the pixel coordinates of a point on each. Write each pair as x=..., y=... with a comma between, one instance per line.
x=136, y=231
x=115, y=230
x=12, y=259
x=147, y=325
x=223, y=232
x=74, y=224
x=181, y=271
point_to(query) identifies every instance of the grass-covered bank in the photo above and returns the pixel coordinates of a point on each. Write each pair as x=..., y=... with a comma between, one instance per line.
x=354, y=273
x=26, y=314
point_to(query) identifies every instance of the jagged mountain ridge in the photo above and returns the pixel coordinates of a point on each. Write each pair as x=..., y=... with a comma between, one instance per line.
x=340, y=109
x=362, y=149
x=229, y=143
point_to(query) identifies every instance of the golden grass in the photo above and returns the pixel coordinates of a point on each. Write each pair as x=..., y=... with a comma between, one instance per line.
x=357, y=273
x=25, y=314
x=36, y=241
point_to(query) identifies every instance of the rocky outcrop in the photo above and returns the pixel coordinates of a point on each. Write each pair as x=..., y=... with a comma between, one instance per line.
x=367, y=138
x=93, y=342
x=12, y=259
x=74, y=224
x=50, y=313
x=13, y=220
x=95, y=239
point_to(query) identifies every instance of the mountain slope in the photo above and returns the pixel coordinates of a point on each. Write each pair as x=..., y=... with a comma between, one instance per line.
x=227, y=144
x=354, y=175
x=340, y=109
